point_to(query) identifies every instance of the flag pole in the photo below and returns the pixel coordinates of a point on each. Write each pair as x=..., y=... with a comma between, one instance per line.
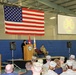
x=29, y=40
x=34, y=42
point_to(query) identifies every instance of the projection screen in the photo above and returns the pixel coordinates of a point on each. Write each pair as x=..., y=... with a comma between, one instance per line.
x=66, y=24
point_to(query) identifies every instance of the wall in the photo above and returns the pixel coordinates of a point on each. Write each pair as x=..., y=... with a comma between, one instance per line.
x=55, y=43
x=55, y=48
x=50, y=29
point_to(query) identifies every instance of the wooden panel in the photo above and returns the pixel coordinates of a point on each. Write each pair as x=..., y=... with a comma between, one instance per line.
x=28, y=52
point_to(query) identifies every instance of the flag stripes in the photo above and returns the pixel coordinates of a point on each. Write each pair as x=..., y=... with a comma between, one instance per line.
x=23, y=21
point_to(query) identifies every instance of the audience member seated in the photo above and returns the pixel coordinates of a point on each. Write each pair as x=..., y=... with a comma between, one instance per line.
x=72, y=58
x=46, y=65
x=9, y=70
x=58, y=68
x=62, y=61
x=48, y=59
x=37, y=67
x=43, y=50
x=34, y=59
x=64, y=68
x=51, y=69
x=69, y=70
x=28, y=69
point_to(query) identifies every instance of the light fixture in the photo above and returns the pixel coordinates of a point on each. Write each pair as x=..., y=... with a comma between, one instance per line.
x=52, y=18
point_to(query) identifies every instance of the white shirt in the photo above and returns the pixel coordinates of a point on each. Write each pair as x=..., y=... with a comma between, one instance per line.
x=68, y=72
x=51, y=72
x=47, y=64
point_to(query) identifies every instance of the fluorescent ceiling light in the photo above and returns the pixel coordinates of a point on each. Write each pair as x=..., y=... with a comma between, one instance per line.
x=52, y=17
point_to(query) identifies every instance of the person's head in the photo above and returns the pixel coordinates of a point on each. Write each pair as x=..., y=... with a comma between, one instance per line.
x=34, y=59
x=8, y=68
x=72, y=57
x=28, y=65
x=48, y=58
x=58, y=63
x=52, y=65
x=62, y=60
x=24, y=41
x=40, y=61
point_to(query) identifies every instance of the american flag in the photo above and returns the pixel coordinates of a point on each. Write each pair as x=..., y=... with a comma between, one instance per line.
x=23, y=21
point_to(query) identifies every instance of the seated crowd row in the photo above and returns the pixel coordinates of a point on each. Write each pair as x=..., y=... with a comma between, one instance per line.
x=51, y=67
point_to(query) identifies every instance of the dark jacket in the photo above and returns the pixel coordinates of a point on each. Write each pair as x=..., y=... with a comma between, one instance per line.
x=29, y=72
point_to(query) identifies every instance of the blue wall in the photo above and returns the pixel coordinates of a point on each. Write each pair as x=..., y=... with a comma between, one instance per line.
x=55, y=48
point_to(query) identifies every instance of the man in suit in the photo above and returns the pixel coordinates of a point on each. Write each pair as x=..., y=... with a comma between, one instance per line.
x=22, y=46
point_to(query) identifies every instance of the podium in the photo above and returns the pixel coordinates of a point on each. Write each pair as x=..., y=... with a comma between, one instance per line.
x=28, y=52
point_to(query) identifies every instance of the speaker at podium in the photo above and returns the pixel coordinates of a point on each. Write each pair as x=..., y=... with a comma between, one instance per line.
x=28, y=52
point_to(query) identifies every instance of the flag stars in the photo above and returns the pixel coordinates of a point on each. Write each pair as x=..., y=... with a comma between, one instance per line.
x=13, y=14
